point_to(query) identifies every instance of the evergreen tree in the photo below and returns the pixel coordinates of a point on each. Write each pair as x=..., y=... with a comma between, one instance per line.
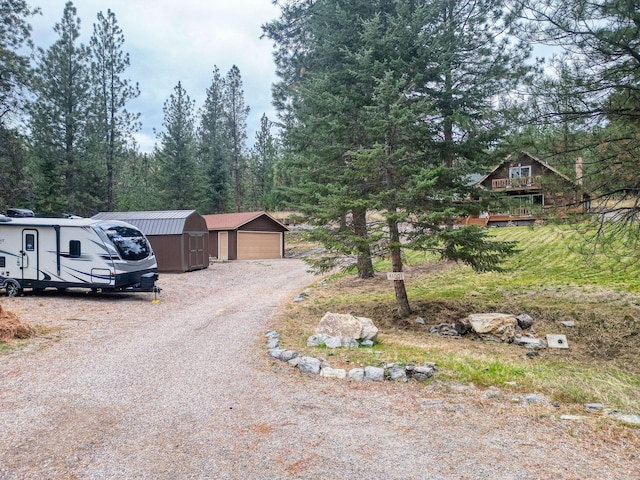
x=236, y=129
x=264, y=154
x=15, y=189
x=214, y=148
x=392, y=106
x=599, y=91
x=64, y=179
x=137, y=183
x=114, y=125
x=179, y=176
x=15, y=33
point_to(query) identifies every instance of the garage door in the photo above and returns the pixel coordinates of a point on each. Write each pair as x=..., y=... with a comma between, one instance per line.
x=256, y=245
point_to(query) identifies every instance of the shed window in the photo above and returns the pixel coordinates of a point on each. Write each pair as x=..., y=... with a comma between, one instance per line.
x=74, y=248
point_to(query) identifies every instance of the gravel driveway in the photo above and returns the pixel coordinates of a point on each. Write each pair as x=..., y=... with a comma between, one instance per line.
x=184, y=389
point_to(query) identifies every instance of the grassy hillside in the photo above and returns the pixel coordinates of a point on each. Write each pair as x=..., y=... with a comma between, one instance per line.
x=556, y=276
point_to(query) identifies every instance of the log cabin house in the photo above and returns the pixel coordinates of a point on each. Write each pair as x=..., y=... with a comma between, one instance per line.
x=529, y=190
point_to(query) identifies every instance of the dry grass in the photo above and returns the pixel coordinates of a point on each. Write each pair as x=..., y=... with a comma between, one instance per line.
x=11, y=327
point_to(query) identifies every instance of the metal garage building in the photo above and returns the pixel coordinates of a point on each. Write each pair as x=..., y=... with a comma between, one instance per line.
x=245, y=236
x=179, y=238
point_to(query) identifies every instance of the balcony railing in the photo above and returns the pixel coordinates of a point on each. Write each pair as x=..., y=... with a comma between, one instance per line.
x=499, y=183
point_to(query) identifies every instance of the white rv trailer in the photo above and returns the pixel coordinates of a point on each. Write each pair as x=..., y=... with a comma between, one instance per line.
x=100, y=255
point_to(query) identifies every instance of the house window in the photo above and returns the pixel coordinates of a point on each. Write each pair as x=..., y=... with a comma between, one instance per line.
x=520, y=172
x=74, y=248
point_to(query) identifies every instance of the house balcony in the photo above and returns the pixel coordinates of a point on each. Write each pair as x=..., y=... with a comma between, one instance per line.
x=515, y=183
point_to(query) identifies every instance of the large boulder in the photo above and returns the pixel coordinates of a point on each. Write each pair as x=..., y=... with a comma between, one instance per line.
x=347, y=326
x=494, y=326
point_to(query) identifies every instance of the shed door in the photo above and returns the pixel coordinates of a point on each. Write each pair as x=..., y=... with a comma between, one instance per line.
x=223, y=245
x=196, y=251
x=258, y=245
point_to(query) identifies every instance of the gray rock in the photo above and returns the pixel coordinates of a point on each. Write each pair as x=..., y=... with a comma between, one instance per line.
x=494, y=326
x=524, y=321
x=274, y=343
x=366, y=343
x=294, y=361
x=568, y=323
x=316, y=340
x=627, y=418
x=276, y=352
x=271, y=334
x=419, y=321
x=397, y=374
x=350, y=342
x=593, y=407
x=356, y=374
x=309, y=365
x=374, y=374
x=288, y=355
x=333, y=372
x=530, y=342
x=532, y=398
x=339, y=325
x=333, y=342
x=426, y=370
x=462, y=326
x=369, y=330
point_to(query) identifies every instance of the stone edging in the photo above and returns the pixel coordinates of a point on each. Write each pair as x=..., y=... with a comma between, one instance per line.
x=316, y=366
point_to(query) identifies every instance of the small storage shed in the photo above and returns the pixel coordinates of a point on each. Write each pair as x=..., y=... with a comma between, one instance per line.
x=245, y=236
x=179, y=238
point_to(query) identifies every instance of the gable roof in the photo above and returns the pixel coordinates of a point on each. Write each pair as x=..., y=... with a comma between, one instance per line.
x=233, y=221
x=509, y=158
x=160, y=222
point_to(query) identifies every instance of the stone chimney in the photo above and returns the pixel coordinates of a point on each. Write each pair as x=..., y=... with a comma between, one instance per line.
x=579, y=171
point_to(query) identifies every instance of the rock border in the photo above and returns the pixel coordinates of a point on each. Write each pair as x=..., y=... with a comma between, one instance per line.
x=308, y=364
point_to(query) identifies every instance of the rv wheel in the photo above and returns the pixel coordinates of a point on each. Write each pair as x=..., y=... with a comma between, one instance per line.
x=13, y=288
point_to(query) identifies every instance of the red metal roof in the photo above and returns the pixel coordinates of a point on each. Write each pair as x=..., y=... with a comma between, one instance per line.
x=233, y=221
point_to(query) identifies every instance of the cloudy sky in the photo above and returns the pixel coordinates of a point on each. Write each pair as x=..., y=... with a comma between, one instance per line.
x=180, y=40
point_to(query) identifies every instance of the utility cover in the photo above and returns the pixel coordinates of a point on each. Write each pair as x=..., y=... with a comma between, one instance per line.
x=557, y=341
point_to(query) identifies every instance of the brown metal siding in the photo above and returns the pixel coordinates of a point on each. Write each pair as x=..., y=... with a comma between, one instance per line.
x=168, y=250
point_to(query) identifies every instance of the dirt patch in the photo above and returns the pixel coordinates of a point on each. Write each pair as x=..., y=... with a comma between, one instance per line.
x=11, y=327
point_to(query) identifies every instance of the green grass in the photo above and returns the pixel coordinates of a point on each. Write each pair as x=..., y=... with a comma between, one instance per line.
x=555, y=276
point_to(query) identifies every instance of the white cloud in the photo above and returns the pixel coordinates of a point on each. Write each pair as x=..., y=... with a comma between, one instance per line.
x=170, y=41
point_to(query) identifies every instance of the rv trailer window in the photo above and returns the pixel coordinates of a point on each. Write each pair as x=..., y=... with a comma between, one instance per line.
x=3, y=262
x=75, y=248
x=30, y=242
x=130, y=243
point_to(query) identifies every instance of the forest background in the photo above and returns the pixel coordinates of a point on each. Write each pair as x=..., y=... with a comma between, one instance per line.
x=387, y=105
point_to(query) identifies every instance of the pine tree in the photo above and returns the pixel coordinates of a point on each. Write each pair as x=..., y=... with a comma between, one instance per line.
x=59, y=124
x=264, y=155
x=179, y=176
x=389, y=106
x=114, y=125
x=15, y=33
x=213, y=146
x=236, y=129
x=597, y=93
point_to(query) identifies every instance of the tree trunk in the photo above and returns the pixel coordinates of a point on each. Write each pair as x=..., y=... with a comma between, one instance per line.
x=402, y=301
x=364, y=262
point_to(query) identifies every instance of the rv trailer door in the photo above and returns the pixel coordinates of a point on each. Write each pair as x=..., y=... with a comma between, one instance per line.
x=29, y=252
